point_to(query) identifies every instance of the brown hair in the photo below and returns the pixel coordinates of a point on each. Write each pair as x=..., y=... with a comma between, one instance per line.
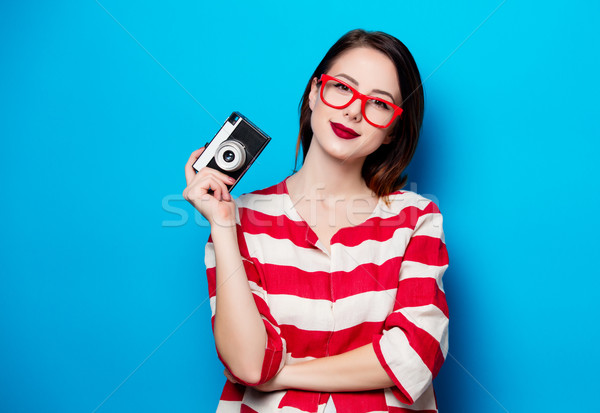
x=383, y=168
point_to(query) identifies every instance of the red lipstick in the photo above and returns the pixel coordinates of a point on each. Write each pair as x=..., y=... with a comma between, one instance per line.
x=342, y=131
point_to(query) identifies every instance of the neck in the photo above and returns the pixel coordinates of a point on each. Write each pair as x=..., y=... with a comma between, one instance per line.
x=328, y=177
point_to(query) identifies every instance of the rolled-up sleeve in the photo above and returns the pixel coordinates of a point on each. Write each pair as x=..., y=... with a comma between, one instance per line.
x=275, y=346
x=414, y=342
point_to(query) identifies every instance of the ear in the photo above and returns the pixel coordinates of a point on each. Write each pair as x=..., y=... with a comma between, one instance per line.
x=314, y=94
x=389, y=137
x=392, y=132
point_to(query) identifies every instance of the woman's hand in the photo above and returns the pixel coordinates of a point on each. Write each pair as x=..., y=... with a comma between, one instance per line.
x=218, y=208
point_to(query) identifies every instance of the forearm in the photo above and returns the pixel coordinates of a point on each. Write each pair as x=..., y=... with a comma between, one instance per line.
x=356, y=370
x=239, y=331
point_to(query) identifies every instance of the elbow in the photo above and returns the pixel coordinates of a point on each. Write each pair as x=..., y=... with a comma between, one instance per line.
x=247, y=373
x=244, y=365
x=244, y=361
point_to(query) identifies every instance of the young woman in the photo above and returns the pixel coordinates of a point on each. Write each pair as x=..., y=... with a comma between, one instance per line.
x=326, y=289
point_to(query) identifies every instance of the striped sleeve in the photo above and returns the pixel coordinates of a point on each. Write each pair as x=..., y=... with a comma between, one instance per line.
x=275, y=346
x=414, y=341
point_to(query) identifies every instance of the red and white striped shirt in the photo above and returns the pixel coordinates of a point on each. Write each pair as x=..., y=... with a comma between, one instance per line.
x=381, y=284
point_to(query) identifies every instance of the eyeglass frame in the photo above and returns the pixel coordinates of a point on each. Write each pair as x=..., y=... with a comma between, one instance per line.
x=363, y=98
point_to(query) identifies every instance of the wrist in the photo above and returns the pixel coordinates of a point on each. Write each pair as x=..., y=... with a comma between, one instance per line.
x=284, y=377
x=220, y=213
x=220, y=231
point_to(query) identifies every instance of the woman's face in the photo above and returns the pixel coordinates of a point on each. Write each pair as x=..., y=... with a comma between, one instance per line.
x=344, y=133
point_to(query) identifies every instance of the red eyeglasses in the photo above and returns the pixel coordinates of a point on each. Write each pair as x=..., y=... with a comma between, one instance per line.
x=338, y=95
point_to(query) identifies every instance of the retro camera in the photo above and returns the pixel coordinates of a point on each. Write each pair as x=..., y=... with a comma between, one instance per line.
x=234, y=148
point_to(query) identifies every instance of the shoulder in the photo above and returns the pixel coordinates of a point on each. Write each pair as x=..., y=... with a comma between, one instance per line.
x=276, y=189
x=417, y=212
x=401, y=200
x=408, y=209
x=268, y=203
x=273, y=194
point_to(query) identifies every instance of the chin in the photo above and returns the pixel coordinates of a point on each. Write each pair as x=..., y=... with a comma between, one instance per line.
x=343, y=152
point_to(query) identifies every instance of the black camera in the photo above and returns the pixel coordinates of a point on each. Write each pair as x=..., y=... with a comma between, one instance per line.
x=234, y=148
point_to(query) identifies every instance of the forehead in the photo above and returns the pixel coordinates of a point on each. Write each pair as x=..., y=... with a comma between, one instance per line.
x=370, y=68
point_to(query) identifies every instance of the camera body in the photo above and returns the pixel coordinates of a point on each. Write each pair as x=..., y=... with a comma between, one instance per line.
x=234, y=148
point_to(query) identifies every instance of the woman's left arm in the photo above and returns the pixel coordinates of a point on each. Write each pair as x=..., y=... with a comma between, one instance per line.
x=355, y=370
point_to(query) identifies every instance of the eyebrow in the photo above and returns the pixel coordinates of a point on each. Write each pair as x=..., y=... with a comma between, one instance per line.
x=382, y=92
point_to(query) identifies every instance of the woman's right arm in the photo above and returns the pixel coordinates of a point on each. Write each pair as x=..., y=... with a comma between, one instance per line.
x=239, y=330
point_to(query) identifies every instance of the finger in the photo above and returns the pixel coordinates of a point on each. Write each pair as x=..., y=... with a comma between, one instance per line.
x=215, y=178
x=190, y=172
x=219, y=189
x=216, y=188
x=199, y=189
x=218, y=174
x=224, y=194
x=223, y=191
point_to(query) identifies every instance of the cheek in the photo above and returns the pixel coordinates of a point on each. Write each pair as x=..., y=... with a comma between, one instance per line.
x=314, y=120
x=318, y=115
x=376, y=139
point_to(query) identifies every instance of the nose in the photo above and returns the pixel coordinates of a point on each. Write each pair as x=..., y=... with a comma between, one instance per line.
x=354, y=111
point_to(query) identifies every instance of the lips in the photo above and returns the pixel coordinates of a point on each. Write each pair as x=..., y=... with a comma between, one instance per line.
x=342, y=131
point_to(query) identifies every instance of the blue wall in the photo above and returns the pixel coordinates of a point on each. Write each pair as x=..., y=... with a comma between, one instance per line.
x=103, y=298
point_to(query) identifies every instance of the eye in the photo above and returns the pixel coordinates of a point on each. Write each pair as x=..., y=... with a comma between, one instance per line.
x=342, y=87
x=380, y=104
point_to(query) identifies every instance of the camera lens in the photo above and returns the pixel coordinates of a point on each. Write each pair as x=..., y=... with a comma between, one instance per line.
x=228, y=156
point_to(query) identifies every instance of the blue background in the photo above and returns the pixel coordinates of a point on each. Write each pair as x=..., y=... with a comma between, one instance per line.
x=103, y=297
